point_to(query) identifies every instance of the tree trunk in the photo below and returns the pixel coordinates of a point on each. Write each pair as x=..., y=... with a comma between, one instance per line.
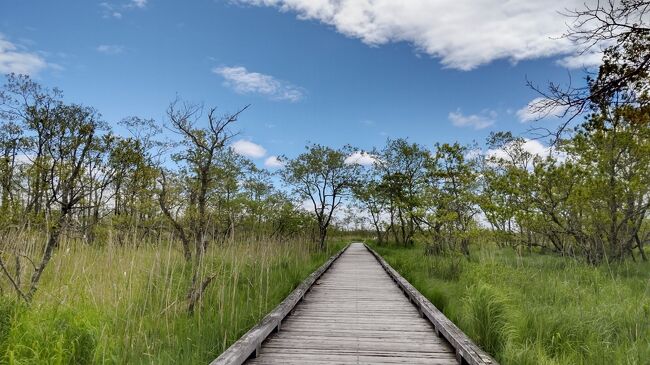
x=52, y=243
x=322, y=237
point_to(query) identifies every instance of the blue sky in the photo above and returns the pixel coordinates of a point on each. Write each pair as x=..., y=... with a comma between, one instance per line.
x=325, y=71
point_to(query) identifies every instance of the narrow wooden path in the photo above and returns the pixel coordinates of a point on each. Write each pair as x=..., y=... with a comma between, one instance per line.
x=355, y=314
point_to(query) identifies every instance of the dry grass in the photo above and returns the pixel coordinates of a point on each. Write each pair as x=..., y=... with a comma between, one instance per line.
x=126, y=304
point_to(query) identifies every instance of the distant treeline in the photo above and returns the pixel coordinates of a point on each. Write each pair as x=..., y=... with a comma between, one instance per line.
x=65, y=172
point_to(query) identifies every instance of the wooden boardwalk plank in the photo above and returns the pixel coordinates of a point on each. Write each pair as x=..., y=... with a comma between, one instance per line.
x=355, y=314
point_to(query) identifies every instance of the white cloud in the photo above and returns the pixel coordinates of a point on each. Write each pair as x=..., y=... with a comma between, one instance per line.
x=361, y=158
x=109, y=11
x=13, y=59
x=463, y=34
x=273, y=162
x=476, y=121
x=139, y=3
x=585, y=60
x=540, y=108
x=532, y=146
x=246, y=82
x=110, y=49
x=248, y=149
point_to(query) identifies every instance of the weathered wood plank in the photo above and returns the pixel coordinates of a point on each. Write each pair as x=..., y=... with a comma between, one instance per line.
x=355, y=314
x=251, y=341
x=465, y=348
x=355, y=310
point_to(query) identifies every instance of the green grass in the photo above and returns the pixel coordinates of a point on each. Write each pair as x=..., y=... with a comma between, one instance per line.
x=119, y=305
x=537, y=309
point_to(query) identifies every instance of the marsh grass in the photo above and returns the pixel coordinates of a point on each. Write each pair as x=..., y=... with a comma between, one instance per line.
x=126, y=304
x=537, y=309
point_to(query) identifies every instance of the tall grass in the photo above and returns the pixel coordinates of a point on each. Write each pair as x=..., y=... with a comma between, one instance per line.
x=537, y=309
x=127, y=304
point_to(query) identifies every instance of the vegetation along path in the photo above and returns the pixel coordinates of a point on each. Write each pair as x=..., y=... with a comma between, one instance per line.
x=355, y=314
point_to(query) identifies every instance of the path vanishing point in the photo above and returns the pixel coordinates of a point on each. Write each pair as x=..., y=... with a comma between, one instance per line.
x=355, y=312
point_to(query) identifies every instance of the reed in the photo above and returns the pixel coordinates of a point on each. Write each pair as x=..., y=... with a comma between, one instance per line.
x=127, y=304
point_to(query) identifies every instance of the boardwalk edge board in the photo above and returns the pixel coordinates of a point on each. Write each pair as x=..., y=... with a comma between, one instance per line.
x=250, y=343
x=467, y=352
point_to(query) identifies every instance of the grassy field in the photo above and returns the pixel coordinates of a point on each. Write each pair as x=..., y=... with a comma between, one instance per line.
x=537, y=309
x=127, y=305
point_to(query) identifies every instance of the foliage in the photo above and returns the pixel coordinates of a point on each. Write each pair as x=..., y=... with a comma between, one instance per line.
x=322, y=177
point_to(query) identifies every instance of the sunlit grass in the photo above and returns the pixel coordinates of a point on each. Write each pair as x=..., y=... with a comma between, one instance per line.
x=127, y=304
x=537, y=309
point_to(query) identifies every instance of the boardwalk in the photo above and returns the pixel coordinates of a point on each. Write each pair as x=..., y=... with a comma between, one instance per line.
x=355, y=314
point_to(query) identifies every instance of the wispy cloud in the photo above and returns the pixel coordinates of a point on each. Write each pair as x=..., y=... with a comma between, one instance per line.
x=582, y=60
x=273, y=162
x=243, y=81
x=110, y=49
x=248, y=149
x=538, y=109
x=476, y=121
x=14, y=59
x=462, y=34
x=110, y=10
x=139, y=3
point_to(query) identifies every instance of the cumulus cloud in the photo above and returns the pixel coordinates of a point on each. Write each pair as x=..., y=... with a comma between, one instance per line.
x=248, y=149
x=539, y=108
x=273, y=162
x=476, y=121
x=110, y=49
x=532, y=146
x=245, y=82
x=13, y=59
x=361, y=158
x=463, y=34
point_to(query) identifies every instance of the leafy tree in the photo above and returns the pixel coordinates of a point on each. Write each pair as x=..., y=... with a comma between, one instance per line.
x=321, y=176
x=456, y=203
x=373, y=198
x=403, y=166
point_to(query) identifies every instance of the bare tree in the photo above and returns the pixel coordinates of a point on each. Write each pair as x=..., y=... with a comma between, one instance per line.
x=622, y=28
x=199, y=157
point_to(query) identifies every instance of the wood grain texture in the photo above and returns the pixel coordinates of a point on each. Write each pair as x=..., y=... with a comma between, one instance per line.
x=355, y=314
x=466, y=350
x=250, y=342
